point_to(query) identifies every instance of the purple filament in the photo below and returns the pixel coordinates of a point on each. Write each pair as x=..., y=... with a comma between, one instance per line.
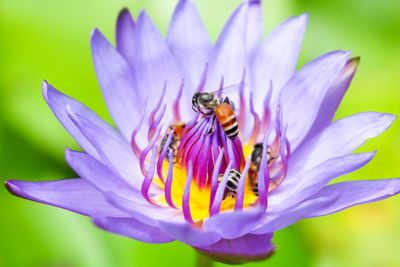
x=149, y=176
x=256, y=127
x=157, y=107
x=168, y=183
x=145, y=151
x=206, y=155
x=238, y=149
x=201, y=147
x=262, y=186
x=202, y=161
x=187, y=154
x=186, y=195
x=284, y=161
x=134, y=146
x=187, y=137
x=241, y=184
x=216, y=205
x=162, y=155
x=195, y=155
x=175, y=104
x=214, y=177
x=155, y=124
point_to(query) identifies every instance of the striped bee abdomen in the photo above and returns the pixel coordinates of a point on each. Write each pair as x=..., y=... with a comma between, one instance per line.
x=226, y=117
x=231, y=185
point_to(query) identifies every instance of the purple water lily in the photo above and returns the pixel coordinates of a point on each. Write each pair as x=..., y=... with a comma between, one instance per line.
x=184, y=168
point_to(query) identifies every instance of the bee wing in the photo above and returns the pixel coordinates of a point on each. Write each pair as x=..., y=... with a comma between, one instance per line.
x=229, y=90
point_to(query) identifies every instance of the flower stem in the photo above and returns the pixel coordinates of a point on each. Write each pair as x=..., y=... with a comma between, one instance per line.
x=203, y=261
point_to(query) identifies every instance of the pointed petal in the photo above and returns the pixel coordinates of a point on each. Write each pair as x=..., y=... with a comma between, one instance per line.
x=155, y=65
x=116, y=191
x=332, y=198
x=240, y=250
x=188, y=234
x=276, y=59
x=57, y=102
x=340, y=138
x=302, y=95
x=189, y=42
x=117, y=83
x=308, y=183
x=124, y=35
x=132, y=228
x=240, y=223
x=100, y=176
x=351, y=193
x=75, y=195
x=113, y=148
x=254, y=27
x=229, y=56
x=333, y=97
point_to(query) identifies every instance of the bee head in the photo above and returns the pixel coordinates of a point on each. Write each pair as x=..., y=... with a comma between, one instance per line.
x=203, y=102
x=205, y=98
x=195, y=100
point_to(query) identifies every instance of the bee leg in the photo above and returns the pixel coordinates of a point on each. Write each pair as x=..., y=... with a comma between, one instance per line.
x=227, y=101
x=212, y=126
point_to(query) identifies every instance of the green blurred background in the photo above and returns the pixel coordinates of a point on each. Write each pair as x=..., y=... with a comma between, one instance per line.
x=49, y=39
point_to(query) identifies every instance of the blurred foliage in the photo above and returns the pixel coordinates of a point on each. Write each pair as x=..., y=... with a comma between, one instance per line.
x=50, y=39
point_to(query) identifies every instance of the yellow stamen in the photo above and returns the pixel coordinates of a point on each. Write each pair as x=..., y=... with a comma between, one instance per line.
x=199, y=202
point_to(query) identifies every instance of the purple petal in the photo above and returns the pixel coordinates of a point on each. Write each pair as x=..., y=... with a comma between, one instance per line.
x=240, y=223
x=117, y=83
x=302, y=95
x=340, y=138
x=229, y=57
x=155, y=65
x=75, y=195
x=145, y=213
x=124, y=35
x=188, y=233
x=240, y=250
x=100, y=176
x=276, y=59
x=254, y=27
x=333, y=97
x=331, y=199
x=274, y=221
x=112, y=147
x=304, y=185
x=189, y=42
x=132, y=228
x=351, y=193
x=57, y=101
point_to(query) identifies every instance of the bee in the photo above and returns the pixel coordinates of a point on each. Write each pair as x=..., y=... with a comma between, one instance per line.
x=178, y=129
x=256, y=157
x=209, y=104
x=231, y=185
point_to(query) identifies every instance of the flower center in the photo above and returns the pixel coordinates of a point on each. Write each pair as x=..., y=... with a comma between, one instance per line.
x=201, y=167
